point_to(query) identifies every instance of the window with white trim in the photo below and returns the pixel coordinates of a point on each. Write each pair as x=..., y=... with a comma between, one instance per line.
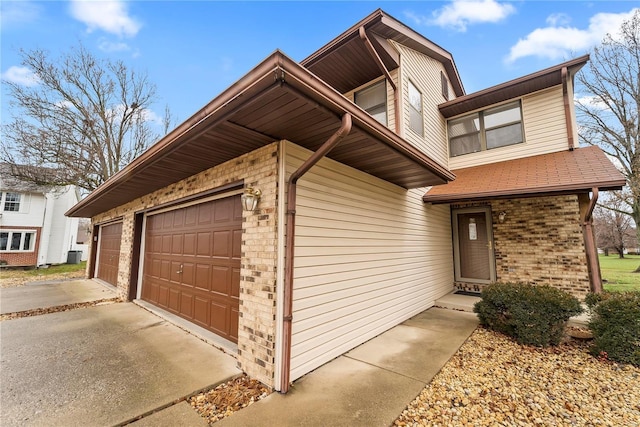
x=373, y=100
x=416, y=121
x=10, y=202
x=17, y=241
x=484, y=130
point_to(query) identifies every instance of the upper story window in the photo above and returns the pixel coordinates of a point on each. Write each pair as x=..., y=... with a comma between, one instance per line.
x=484, y=130
x=10, y=202
x=17, y=241
x=445, y=86
x=373, y=100
x=416, y=121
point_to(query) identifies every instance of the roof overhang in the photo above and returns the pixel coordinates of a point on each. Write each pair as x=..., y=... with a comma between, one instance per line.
x=277, y=100
x=345, y=63
x=564, y=172
x=512, y=89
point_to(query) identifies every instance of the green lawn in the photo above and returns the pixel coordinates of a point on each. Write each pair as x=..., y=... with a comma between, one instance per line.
x=53, y=270
x=618, y=273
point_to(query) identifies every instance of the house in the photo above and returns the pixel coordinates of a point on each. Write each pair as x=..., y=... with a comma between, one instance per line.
x=34, y=230
x=381, y=186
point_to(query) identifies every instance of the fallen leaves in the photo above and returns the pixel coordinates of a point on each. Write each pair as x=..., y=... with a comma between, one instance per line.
x=228, y=398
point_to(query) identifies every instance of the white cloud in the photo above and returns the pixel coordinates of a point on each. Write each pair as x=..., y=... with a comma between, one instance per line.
x=21, y=75
x=556, y=19
x=109, y=46
x=558, y=40
x=18, y=12
x=110, y=16
x=460, y=13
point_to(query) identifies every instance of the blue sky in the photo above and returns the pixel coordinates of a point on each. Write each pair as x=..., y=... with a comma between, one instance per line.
x=194, y=50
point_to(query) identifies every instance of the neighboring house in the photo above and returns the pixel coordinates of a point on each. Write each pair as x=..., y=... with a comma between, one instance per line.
x=382, y=186
x=34, y=230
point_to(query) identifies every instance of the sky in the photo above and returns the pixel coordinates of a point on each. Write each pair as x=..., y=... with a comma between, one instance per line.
x=193, y=50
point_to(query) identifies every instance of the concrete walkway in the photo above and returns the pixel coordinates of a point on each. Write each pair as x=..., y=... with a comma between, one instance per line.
x=30, y=297
x=370, y=385
x=101, y=366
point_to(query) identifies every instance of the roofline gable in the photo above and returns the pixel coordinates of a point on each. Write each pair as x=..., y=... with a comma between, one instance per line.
x=414, y=40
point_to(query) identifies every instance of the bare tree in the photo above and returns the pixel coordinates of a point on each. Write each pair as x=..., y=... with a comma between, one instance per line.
x=608, y=114
x=83, y=120
x=614, y=229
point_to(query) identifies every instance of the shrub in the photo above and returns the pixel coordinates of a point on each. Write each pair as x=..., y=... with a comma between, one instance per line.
x=615, y=324
x=532, y=315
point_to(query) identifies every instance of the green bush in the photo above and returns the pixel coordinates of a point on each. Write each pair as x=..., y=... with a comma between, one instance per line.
x=615, y=324
x=532, y=315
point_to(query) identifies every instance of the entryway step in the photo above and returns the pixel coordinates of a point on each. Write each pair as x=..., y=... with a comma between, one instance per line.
x=457, y=302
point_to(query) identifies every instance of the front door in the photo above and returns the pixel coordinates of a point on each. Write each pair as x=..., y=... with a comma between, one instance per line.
x=473, y=245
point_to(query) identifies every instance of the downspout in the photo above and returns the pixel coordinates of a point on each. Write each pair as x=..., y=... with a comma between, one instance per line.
x=593, y=263
x=287, y=318
x=567, y=107
x=378, y=61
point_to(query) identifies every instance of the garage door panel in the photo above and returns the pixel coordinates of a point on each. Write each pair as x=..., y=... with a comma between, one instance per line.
x=204, y=244
x=188, y=273
x=220, y=280
x=201, y=311
x=186, y=304
x=205, y=216
x=189, y=241
x=219, y=316
x=236, y=250
x=222, y=243
x=176, y=243
x=235, y=282
x=197, y=263
x=223, y=212
x=203, y=274
x=174, y=299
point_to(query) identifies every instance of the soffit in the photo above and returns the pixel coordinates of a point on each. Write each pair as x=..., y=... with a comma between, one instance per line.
x=512, y=89
x=277, y=100
x=564, y=172
x=345, y=64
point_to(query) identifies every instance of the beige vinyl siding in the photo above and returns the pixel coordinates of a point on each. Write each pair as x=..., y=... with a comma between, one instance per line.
x=545, y=131
x=391, y=116
x=424, y=72
x=368, y=256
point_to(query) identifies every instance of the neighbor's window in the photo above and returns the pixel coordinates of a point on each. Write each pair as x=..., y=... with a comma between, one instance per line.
x=484, y=130
x=416, y=123
x=373, y=100
x=17, y=241
x=11, y=202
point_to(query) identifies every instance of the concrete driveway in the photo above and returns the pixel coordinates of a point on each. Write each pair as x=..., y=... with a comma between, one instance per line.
x=103, y=365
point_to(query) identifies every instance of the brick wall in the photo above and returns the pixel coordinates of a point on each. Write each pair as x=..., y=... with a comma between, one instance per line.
x=259, y=169
x=23, y=258
x=541, y=242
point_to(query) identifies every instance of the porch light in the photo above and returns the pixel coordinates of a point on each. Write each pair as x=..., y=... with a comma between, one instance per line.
x=250, y=199
x=501, y=216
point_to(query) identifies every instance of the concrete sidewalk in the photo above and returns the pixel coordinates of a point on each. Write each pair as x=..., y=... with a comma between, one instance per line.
x=30, y=297
x=102, y=366
x=370, y=385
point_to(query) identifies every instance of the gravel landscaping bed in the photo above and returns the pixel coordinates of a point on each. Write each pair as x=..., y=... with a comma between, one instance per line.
x=492, y=381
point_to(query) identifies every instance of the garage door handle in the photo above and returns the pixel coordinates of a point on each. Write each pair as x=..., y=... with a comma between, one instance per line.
x=180, y=271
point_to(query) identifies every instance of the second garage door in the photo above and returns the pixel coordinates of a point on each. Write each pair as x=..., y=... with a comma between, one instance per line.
x=192, y=263
x=109, y=253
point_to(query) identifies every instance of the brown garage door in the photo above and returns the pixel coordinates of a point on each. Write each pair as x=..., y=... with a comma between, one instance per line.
x=192, y=263
x=109, y=253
